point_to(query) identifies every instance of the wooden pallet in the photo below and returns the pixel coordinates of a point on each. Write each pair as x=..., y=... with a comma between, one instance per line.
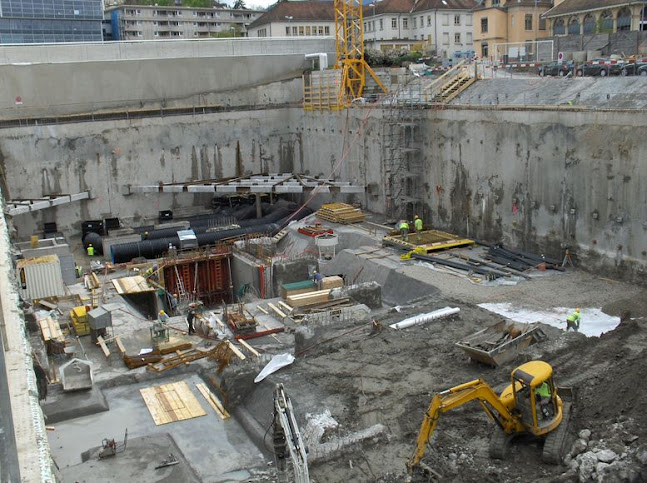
x=171, y=402
x=51, y=330
x=340, y=213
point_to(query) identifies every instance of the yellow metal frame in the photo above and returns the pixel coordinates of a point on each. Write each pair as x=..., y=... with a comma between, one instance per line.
x=349, y=35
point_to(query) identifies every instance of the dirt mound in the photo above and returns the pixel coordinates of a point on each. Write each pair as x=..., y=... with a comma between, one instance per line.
x=635, y=307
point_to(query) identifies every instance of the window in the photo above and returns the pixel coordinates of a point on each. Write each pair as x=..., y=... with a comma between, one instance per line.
x=484, y=25
x=445, y=19
x=446, y=38
x=511, y=20
x=529, y=21
x=496, y=3
x=415, y=23
x=457, y=19
x=542, y=23
x=558, y=27
x=405, y=24
x=428, y=20
x=294, y=31
x=484, y=50
x=365, y=28
x=468, y=20
x=457, y=38
x=605, y=22
x=574, y=26
x=321, y=30
x=394, y=24
x=301, y=31
x=469, y=38
x=381, y=24
x=287, y=31
x=327, y=30
x=307, y=30
x=624, y=19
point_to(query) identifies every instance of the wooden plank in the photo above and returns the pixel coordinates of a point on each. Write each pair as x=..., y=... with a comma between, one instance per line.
x=236, y=351
x=276, y=309
x=249, y=347
x=120, y=345
x=286, y=307
x=103, y=346
x=318, y=297
x=213, y=401
x=48, y=305
x=220, y=323
x=262, y=310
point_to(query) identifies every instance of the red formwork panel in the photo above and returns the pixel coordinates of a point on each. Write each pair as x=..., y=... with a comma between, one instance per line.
x=213, y=282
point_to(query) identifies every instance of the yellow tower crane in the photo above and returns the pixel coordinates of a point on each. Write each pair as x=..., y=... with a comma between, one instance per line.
x=349, y=33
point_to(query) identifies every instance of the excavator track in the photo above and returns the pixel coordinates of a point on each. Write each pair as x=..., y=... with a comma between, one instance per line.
x=499, y=444
x=555, y=441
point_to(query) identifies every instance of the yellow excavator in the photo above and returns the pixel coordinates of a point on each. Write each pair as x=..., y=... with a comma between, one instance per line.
x=529, y=405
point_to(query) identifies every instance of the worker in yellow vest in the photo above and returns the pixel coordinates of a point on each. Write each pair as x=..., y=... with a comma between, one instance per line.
x=90, y=250
x=417, y=223
x=404, y=230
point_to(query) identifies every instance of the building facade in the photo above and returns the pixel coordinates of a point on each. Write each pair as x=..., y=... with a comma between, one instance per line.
x=583, y=17
x=296, y=19
x=142, y=22
x=38, y=21
x=444, y=27
x=509, y=21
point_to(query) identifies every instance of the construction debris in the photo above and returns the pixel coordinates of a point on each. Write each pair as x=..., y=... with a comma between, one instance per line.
x=340, y=213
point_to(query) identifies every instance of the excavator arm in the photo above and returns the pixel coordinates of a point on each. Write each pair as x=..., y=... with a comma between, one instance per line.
x=457, y=396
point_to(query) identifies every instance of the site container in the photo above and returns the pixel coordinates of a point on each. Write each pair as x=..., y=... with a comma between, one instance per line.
x=40, y=277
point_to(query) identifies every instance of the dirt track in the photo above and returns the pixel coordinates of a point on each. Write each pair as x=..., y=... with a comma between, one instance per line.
x=389, y=377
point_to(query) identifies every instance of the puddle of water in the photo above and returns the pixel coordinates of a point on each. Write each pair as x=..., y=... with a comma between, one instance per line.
x=593, y=322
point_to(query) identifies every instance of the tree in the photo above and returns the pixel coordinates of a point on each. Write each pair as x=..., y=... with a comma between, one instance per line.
x=240, y=5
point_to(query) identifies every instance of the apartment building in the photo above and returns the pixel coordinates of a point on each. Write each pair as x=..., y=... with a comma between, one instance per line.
x=441, y=26
x=37, y=21
x=509, y=21
x=142, y=22
x=296, y=19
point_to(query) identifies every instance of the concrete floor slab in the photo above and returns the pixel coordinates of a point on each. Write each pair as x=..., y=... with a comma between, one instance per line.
x=60, y=406
x=218, y=450
x=136, y=463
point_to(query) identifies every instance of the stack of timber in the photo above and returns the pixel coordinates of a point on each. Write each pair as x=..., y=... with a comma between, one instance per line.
x=340, y=213
x=297, y=288
x=79, y=317
x=312, y=298
x=173, y=346
x=332, y=282
x=52, y=335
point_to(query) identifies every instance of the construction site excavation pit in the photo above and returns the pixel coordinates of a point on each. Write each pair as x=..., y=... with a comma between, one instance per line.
x=252, y=291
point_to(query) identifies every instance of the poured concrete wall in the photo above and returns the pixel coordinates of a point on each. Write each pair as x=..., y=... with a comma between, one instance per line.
x=53, y=80
x=539, y=179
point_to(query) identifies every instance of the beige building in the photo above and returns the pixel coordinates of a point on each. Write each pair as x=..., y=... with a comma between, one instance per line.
x=295, y=19
x=142, y=22
x=577, y=17
x=508, y=21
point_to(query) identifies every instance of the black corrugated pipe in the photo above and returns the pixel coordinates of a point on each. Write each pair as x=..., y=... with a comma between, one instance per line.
x=95, y=240
x=125, y=252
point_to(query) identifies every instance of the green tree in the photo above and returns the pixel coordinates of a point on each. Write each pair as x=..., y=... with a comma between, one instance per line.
x=240, y=5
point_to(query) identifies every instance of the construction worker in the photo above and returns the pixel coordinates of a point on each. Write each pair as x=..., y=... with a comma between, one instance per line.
x=163, y=317
x=79, y=271
x=189, y=321
x=404, y=230
x=174, y=301
x=317, y=278
x=148, y=272
x=573, y=320
x=90, y=250
x=417, y=223
x=542, y=394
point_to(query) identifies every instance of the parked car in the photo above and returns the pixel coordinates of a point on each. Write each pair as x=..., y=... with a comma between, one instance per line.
x=642, y=70
x=555, y=68
x=631, y=68
x=598, y=67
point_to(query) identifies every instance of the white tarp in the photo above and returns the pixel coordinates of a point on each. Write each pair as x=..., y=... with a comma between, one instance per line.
x=593, y=321
x=277, y=362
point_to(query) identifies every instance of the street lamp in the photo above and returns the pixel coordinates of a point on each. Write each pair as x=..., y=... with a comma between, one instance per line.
x=289, y=19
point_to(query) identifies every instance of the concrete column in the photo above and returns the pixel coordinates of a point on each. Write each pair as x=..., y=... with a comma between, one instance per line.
x=259, y=208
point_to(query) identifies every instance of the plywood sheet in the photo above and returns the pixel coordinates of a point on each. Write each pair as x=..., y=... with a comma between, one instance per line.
x=127, y=285
x=171, y=402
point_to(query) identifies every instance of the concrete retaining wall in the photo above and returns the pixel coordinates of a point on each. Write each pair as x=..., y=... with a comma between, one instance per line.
x=538, y=179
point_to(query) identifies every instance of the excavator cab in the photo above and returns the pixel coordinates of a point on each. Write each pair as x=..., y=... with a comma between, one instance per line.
x=535, y=397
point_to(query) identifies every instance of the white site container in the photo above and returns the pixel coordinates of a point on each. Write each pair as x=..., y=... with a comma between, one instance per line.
x=40, y=277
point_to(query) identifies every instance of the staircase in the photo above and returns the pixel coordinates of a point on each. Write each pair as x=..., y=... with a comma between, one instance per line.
x=445, y=89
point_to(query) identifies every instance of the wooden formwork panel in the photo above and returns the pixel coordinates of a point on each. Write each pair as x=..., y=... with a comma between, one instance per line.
x=171, y=402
